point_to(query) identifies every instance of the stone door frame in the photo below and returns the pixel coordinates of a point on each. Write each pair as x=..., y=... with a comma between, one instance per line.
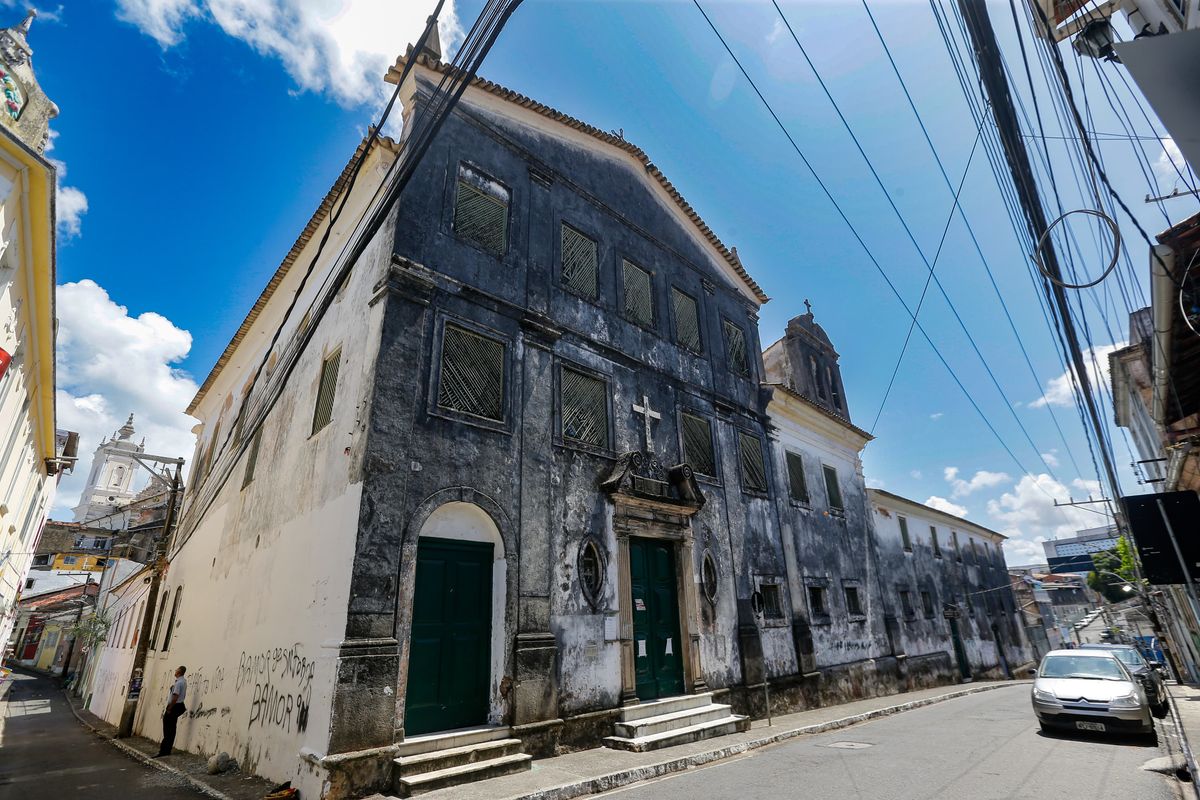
x=650, y=519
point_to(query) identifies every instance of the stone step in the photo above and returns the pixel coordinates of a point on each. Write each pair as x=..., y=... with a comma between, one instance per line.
x=733, y=723
x=675, y=720
x=419, y=764
x=654, y=708
x=445, y=740
x=466, y=773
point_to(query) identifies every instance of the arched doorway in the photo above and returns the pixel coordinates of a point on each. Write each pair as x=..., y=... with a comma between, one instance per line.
x=456, y=647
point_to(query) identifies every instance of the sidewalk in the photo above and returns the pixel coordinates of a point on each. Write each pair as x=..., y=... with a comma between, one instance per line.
x=600, y=770
x=189, y=767
x=1185, y=707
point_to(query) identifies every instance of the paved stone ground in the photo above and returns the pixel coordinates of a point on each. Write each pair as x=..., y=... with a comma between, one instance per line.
x=45, y=754
x=982, y=747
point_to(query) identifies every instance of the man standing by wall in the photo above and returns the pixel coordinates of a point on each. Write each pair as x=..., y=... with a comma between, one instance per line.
x=173, y=712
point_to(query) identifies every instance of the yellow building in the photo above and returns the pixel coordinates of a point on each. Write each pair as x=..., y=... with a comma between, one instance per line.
x=31, y=450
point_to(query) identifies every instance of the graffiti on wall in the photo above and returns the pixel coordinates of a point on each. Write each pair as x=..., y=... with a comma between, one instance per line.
x=279, y=680
x=201, y=683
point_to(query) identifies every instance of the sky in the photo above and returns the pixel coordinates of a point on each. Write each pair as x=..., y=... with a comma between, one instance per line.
x=197, y=136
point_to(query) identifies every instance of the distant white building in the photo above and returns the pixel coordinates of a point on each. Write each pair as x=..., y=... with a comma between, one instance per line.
x=110, y=483
x=1074, y=553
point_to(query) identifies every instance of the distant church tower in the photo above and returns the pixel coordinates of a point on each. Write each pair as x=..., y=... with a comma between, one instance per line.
x=24, y=107
x=804, y=361
x=110, y=483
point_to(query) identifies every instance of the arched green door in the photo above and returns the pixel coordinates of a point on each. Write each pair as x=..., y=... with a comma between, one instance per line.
x=449, y=659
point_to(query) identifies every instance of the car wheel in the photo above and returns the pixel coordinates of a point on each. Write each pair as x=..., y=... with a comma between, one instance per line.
x=1045, y=728
x=1160, y=710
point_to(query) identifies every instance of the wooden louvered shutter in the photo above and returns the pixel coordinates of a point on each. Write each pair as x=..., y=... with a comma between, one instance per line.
x=472, y=377
x=687, y=320
x=584, y=408
x=698, y=445
x=754, y=471
x=323, y=412
x=579, y=263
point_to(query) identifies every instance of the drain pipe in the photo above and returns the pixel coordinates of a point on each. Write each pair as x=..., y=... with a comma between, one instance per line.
x=1162, y=293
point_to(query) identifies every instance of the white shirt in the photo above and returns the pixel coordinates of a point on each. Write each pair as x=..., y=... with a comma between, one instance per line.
x=179, y=688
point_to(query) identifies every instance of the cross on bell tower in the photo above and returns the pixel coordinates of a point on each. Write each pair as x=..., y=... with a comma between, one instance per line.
x=648, y=415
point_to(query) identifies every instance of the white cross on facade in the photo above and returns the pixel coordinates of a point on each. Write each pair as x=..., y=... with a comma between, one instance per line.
x=648, y=414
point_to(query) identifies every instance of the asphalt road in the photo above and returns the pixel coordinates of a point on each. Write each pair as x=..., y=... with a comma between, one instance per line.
x=45, y=754
x=985, y=746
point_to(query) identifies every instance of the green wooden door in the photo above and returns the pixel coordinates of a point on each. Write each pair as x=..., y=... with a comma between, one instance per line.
x=449, y=660
x=657, y=655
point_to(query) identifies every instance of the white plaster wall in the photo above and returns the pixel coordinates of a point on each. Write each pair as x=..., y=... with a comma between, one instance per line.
x=265, y=570
x=110, y=663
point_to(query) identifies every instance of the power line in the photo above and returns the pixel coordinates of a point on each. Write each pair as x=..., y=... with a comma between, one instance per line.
x=912, y=238
x=857, y=236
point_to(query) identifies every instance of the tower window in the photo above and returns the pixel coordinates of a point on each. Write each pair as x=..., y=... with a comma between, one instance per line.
x=832, y=489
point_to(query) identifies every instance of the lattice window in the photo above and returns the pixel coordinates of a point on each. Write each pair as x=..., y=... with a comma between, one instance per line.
x=816, y=601
x=584, y=408
x=927, y=604
x=832, y=489
x=933, y=540
x=252, y=457
x=639, y=294
x=687, y=320
x=472, y=377
x=754, y=471
x=481, y=211
x=579, y=263
x=735, y=349
x=772, y=601
x=323, y=412
x=905, y=539
x=906, y=605
x=797, y=485
x=853, y=601
x=698, y=445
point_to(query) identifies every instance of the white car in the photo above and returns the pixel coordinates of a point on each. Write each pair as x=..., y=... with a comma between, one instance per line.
x=1089, y=690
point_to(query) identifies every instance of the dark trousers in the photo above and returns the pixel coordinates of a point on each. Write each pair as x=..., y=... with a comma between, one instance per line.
x=170, y=719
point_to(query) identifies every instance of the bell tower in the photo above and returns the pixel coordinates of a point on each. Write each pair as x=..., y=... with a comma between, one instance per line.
x=805, y=361
x=110, y=483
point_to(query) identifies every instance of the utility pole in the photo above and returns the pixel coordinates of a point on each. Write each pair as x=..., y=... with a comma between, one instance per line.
x=134, y=688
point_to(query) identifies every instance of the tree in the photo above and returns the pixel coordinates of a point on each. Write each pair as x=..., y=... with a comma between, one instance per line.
x=1103, y=579
x=91, y=630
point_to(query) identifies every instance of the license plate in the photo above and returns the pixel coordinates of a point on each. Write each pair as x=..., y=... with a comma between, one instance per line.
x=1090, y=726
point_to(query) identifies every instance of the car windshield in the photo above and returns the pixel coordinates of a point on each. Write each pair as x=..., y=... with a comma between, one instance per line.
x=1093, y=667
x=1128, y=656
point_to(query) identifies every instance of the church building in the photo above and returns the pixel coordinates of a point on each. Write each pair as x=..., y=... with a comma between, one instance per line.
x=517, y=479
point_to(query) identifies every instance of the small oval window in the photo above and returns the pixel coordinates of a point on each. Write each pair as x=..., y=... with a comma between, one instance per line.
x=708, y=578
x=591, y=572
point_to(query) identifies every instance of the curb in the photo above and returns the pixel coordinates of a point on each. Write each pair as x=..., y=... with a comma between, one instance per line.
x=138, y=755
x=1188, y=759
x=615, y=780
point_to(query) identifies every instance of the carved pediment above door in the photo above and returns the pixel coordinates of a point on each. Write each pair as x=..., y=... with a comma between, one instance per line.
x=641, y=479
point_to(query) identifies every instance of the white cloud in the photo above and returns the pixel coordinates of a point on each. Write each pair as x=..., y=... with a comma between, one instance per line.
x=982, y=479
x=1027, y=515
x=916, y=473
x=1059, y=391
x=1170, y=162
x=935, y=416
x=111, y=364
x=70, y=203
x=1050, y=459
x=341, y=48
x=942, y=504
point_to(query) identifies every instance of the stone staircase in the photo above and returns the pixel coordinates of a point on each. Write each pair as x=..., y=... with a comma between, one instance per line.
x=435, y=761
x=675, y=720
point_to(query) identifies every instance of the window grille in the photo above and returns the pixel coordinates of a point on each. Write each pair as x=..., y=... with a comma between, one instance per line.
x=832, y=489
x=472, y=377
x=252, y=457
x=639, y=297
x=584, y=408
x=323, y=412
x=853, y=603
x=754, y=472
x=698, y=445
x=687, y=320
x=772, y=602
x=816, y=601
x=579, y=263
x=797, y=486
x=904, y=537
x=481, y=211
x=735, y=349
